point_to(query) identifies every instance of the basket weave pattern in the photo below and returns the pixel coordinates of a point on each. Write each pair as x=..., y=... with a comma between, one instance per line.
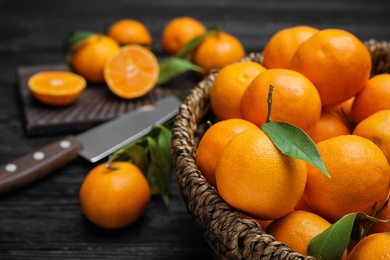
x=229, y=235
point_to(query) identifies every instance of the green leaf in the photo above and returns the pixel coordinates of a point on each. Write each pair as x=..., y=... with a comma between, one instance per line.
x=74, y=39
x=160, y=169
x=137, y=155
x=331, y=243
x=175, y=66
x=293, y=141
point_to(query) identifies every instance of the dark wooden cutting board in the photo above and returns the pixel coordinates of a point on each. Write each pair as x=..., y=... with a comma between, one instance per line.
x=95, y=105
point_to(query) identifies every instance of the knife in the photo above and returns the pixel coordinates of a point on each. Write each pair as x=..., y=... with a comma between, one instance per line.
x=93, y=144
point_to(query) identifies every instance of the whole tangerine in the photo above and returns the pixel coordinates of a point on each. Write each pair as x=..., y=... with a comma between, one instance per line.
x=337, y=63
x=360, y=177
x=255, y=178
x=294, y=99
x=114, y=197
x=297, y=228
x=376, y=128
x=90, y=56
x=179, y=32
x=374, y=97
x=218, y=50
x=229, y=86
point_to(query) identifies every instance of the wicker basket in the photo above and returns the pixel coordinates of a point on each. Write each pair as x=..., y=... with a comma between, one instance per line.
x=228, y=234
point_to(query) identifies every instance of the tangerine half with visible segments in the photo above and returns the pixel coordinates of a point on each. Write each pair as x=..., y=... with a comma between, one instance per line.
x=132, y=72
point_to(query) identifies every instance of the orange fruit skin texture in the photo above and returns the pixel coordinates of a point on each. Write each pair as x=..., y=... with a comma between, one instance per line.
x=374, y=97
x=57, y=88
x=91, y=55
x=114, y=198
x=337, y=63
x=328, y=126
x=343, y=111
x=376, y=128
x=132, y=72
x=360, y=178
x=180, y=31
x=130, y=31
x=297, y=228
x=229, y=86
x=255, y=178
x=218, y=50
x=281, y=47
x=372, y=247
x=213, y=141
x=294, y=99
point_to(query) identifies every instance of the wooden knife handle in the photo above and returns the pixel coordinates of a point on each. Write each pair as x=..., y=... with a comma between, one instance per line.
x=38, y=163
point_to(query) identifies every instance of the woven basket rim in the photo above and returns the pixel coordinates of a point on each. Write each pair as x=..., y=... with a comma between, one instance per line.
x=229, y=235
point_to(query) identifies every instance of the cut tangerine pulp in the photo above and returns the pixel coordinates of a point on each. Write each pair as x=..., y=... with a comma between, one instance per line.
x=56, y=87
x=132, y=72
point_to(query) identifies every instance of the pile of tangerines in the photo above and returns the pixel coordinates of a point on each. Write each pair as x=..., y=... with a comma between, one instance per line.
x=322, y=84
x=123, y=59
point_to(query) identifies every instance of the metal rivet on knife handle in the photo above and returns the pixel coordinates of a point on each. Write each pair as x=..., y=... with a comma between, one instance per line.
x=35, y=165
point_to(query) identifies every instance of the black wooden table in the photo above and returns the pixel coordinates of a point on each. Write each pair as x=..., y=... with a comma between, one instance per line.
x=44, y=220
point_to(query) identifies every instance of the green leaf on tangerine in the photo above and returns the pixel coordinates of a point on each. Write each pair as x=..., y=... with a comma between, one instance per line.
x=173, y=67
x=331, y=243
x=293, y=141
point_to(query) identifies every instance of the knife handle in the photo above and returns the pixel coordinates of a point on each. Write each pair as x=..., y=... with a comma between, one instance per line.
x=38, y=163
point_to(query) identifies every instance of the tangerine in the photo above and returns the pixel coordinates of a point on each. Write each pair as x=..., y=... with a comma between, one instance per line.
x=179, y=32
x=256, y=179
x=360, y=177
x=297, y=228
x=372, y=247
x=217, y=50
x=90, y=56
x=229, y=86
x=132, y=72
x=281, y=47
x=130, y=31
x=56, y=88
x=337, y=63
x=328, y=126
x=114, y=197
x=213, y=141
x=294, y=100
x=374, y=97
x=376, y=128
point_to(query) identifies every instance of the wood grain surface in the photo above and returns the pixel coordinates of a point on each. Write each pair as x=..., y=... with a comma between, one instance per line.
x=44, y=219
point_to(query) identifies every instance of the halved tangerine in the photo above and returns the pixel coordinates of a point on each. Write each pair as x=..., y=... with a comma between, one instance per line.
x=132, y=72
x=56, y=88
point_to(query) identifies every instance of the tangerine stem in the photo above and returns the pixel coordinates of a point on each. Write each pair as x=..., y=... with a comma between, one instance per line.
x=269, y=101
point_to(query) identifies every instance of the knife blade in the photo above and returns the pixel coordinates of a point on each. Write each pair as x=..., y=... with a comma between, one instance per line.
x=93, y=144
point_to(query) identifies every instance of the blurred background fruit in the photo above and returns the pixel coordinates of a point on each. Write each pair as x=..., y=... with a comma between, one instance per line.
x=217, y=50
x=90, y=56
x=130, y=31
x=180, y=31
